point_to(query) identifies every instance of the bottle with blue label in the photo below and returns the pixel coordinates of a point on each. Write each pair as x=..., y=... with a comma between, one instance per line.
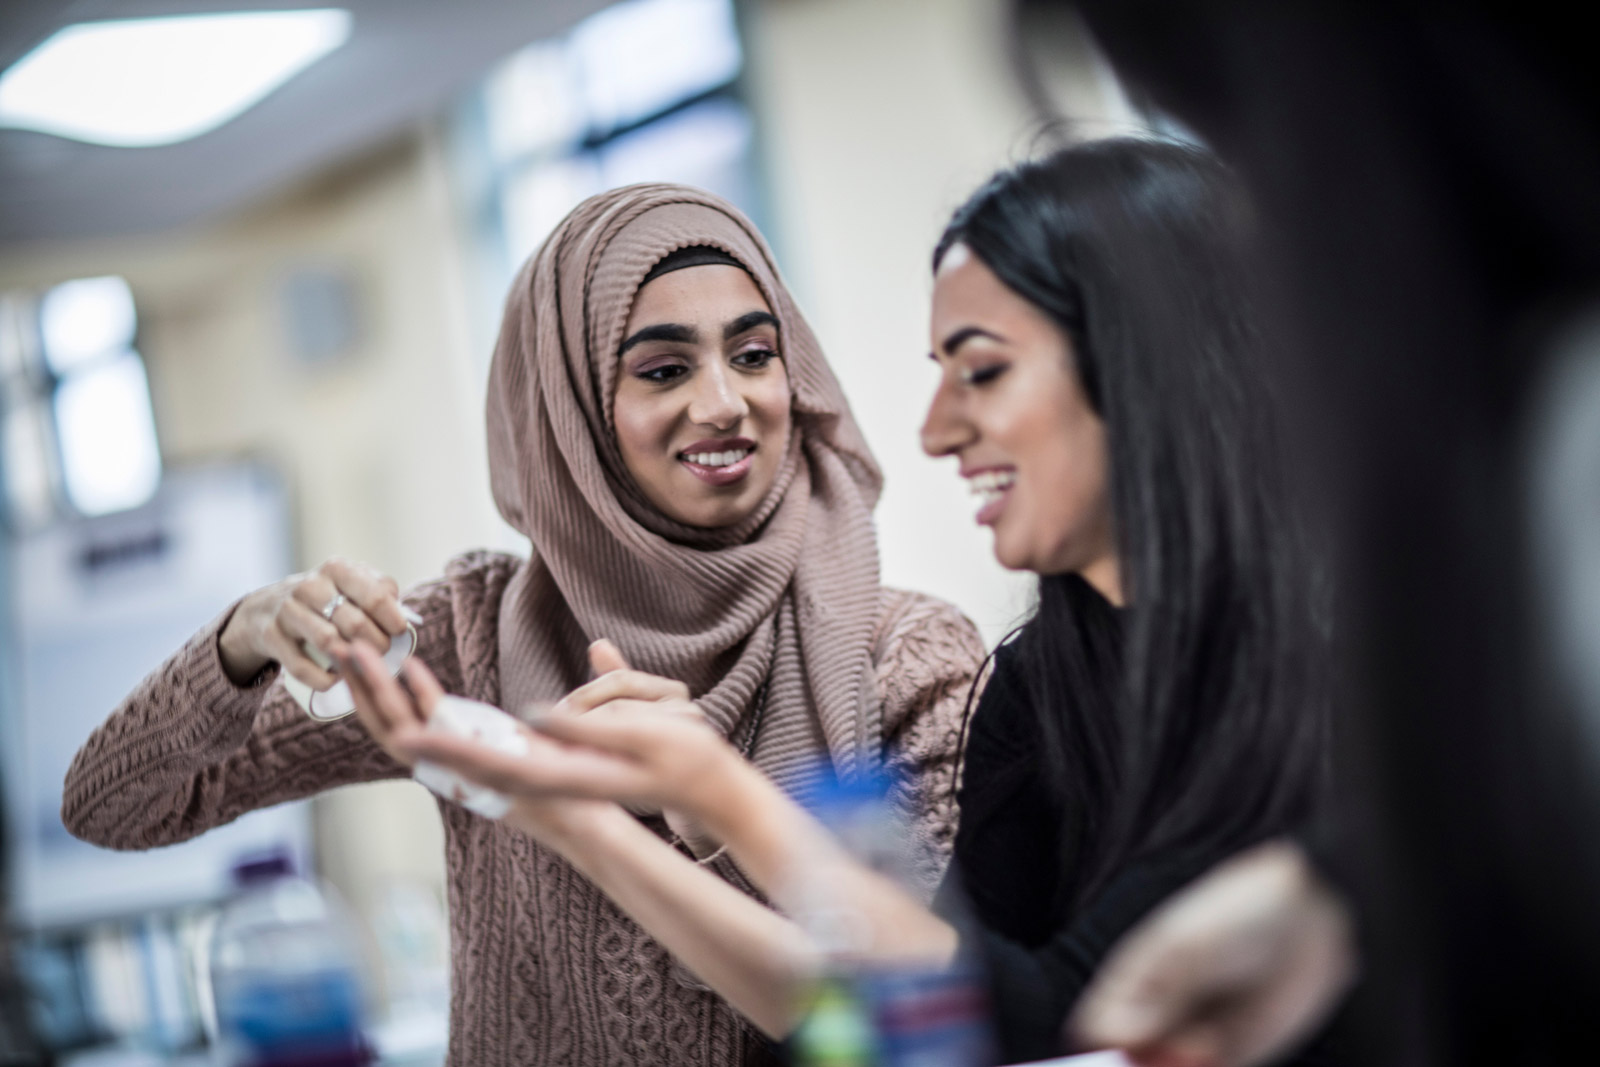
x=285, y=974
x=863, y=1009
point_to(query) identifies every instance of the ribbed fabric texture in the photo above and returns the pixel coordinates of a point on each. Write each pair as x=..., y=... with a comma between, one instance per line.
x=791, y=593
x=545, y=970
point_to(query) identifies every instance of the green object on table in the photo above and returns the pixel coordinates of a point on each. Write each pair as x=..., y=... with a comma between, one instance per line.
x=837, y=1030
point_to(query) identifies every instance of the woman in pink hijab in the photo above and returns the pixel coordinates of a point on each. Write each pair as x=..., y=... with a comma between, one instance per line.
x=665, y=430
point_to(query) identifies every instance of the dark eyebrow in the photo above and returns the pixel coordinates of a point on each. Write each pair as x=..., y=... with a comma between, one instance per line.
x=661, y=331
x=747, y=322
x=965, y=334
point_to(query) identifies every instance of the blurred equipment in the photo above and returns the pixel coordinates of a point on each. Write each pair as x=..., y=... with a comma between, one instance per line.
x=96, y=605
x=321, y=314
x=414, y=944
x=285, y=977
x=867, y=1012
x=19, y=1041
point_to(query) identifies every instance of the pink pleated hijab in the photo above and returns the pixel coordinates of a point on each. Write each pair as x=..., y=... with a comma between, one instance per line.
x=789, y=597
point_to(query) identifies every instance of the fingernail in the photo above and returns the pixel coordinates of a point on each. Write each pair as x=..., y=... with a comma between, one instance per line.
x=534, y=714
x=316, y=655
x=411, y=616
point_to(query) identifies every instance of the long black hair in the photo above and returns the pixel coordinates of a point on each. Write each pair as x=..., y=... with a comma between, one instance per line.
x=1193, y=720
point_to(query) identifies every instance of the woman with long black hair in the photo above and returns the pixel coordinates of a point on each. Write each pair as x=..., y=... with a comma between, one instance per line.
x=1161, y=709
x=1120, y=751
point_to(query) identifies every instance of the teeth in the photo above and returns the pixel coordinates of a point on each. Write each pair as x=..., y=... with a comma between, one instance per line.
x=991, y=484
x=717, y=459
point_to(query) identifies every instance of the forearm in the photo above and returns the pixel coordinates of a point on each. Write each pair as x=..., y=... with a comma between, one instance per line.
x=128, y=786
x=752, y=956
x=783, y=850
x=189, y=750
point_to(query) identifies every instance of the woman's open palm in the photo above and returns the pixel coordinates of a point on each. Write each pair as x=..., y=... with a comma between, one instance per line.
x=397, y=721
x=632, y=747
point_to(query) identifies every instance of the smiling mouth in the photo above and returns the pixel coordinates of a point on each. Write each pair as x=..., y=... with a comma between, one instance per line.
x=719, y=463
x=991, y=487
x=715, y=459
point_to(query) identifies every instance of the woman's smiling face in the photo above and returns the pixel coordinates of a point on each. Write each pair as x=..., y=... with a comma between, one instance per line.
x=1011, y=408
x=702, y=401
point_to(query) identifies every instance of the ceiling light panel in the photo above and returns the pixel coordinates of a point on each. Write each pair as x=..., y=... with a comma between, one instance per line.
x=157, y=81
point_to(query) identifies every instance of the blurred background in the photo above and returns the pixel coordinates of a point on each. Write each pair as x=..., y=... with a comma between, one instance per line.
x=251, y=269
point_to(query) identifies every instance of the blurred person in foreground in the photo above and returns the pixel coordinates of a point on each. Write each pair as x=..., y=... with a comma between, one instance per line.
x=1429, y=178
x=665, y=429
x=1161, y=710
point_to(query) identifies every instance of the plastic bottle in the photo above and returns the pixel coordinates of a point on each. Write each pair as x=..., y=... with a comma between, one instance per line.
x=285, y=974
x=864, y=1010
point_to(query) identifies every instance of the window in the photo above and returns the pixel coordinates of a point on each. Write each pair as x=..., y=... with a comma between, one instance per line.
x=78, y=436
x=645, y=90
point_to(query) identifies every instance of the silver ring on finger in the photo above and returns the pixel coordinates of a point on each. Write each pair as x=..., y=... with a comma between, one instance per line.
x=332, y=606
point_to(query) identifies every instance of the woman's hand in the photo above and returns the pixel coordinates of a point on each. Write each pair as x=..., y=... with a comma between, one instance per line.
x=276, y=624
x=618, y=689
x=1230, y=972
x=615, y=680
x=628, y=750
x=398, y=720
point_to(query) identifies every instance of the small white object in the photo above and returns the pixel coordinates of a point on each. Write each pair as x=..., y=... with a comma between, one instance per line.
x=336, y=702
x=1088, y=1059
x=480, y=723
x=333, y=605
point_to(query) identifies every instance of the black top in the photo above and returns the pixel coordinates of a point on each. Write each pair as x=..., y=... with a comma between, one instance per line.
x=1006, y=887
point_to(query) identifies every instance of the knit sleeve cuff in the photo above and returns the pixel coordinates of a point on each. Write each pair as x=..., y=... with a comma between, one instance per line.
x=227, y=708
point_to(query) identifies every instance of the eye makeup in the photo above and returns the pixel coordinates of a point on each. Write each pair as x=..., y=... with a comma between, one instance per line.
x=983, y=373
x=659, y=369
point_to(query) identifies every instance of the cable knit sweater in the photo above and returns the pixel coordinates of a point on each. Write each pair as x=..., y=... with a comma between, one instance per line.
x=545, y=969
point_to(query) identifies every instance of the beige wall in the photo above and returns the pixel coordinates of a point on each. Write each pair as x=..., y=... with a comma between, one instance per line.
x=878, y=118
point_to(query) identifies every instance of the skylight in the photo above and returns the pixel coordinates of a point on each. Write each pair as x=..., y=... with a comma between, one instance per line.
x=156, y=81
